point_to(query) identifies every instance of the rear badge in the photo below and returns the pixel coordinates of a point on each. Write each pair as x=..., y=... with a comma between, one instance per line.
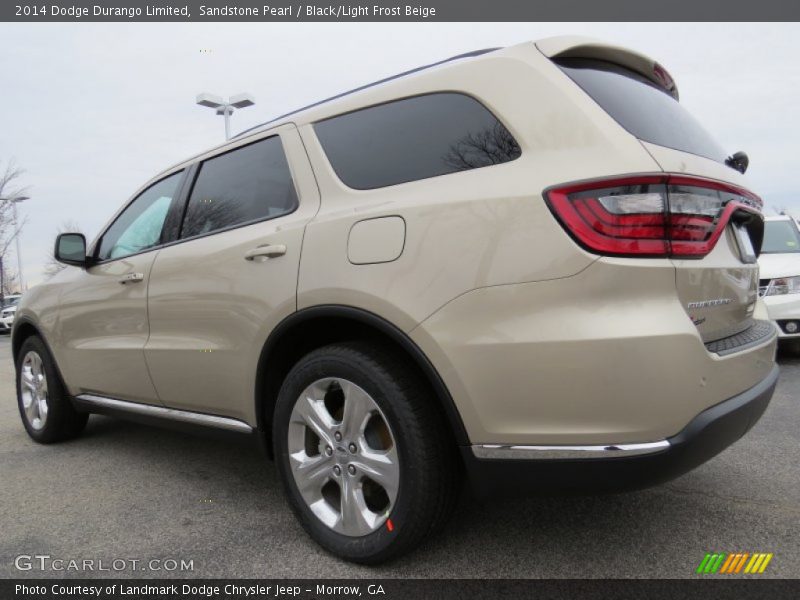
x=709, y=303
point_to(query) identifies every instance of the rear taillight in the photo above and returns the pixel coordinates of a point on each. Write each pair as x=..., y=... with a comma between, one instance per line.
x=651, y=215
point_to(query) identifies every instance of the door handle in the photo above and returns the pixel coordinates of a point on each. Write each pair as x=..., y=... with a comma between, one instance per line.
x=268, y=251
x=131, y=278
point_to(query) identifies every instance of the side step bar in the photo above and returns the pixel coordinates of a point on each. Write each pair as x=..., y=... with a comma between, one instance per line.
x=90, y=401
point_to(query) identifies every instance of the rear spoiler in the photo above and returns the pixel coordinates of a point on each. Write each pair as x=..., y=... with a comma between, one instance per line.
x=585, y=47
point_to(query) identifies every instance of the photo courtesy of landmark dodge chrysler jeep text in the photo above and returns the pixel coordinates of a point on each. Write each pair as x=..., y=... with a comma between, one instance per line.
x=528, y=266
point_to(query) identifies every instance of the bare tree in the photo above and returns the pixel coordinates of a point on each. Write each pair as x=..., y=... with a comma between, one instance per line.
x=483, y=148
x=9, y=228
x=51, y=266
x=10, y=282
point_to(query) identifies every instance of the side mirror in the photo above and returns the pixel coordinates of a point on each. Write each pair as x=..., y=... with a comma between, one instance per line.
x=71, y=249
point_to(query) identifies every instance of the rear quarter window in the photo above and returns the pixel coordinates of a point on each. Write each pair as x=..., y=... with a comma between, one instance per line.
x=414, y=138
x=641, y=107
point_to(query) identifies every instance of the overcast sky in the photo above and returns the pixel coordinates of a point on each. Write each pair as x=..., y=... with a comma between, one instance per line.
x=91, y=111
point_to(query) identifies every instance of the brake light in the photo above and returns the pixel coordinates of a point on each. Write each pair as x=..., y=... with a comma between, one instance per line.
x=650, y=215
x=665, y=79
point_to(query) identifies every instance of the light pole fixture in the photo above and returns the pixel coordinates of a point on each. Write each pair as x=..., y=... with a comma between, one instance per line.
x=225, y=108
x=14, y=201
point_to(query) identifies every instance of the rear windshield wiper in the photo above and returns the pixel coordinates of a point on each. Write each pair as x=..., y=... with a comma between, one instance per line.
x=738, y=161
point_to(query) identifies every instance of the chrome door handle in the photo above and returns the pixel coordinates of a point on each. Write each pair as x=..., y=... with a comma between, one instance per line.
x=268, y=251
x=131, y=278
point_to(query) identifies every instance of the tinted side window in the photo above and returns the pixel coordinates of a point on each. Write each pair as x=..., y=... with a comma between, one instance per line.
x=644, y=109
x=414, y=139
x=245, y=185
x=139, y=226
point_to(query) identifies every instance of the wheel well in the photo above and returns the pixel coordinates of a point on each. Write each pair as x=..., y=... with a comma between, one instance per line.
x=313, y=328
x=22, y=332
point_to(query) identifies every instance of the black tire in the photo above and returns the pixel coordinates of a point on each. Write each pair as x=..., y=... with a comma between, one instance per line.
x=429, y=468
x=62, y=421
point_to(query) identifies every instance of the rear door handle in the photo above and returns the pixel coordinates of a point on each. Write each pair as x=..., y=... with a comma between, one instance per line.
x=268, y=251
x=131, y=278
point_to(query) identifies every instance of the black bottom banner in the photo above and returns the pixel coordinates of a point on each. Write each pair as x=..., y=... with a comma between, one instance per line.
x=440, y=589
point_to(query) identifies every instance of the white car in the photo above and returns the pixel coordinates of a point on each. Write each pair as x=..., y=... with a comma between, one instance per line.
x=8, y=313
x=780, y=274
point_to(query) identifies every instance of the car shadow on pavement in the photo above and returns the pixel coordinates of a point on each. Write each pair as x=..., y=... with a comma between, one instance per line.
x=788, y=354
x=211, y=480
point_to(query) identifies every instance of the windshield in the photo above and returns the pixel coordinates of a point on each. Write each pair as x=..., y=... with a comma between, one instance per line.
x=11, y=301
x=641, y=107
x=780, y=237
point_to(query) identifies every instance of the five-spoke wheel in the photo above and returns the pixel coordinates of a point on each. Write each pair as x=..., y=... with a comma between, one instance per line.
x=363, y=451
x=33, y=390
x=44, y=405
x=343, y=456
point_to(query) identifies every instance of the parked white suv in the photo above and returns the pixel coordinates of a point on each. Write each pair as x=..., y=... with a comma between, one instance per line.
x=530, y=265
x=780, y=274
x=8, y=311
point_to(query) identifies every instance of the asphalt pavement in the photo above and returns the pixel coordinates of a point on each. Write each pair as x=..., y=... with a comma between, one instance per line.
x=136, y=493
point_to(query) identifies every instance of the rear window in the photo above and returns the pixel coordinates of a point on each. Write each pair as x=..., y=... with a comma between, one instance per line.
x=414, y=138
x=641, y=107
x=780, y=237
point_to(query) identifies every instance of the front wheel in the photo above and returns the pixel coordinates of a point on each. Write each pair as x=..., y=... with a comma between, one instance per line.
x=45, y=408
x=363, y=452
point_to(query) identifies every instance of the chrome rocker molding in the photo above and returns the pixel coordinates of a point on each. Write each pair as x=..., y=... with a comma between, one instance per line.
x=172, y=414
x=503, y=452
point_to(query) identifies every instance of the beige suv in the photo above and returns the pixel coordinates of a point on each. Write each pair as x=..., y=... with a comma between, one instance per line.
x=530, y=266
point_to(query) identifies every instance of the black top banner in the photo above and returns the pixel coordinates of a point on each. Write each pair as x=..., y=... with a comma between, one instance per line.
x=415, y=10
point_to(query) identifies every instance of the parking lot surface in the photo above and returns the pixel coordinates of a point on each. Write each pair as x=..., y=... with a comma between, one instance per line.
x=134, y=492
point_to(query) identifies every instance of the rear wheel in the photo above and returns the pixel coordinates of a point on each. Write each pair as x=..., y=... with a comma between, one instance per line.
x=45, y=408
x=363, y=452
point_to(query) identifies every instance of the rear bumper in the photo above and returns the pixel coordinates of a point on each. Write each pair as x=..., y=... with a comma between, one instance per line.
x=612, y=468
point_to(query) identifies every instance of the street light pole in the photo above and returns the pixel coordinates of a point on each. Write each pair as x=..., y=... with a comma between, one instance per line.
x=226, y=111
x=19, y=252
x=225, y=108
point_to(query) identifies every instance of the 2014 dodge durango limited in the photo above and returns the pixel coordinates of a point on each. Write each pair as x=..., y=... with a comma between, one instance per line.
x=528, y=266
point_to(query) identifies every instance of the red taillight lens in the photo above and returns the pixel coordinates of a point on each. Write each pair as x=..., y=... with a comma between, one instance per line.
x=654, y=215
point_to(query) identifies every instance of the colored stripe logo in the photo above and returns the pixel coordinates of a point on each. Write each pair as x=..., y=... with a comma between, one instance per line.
x=722, y=563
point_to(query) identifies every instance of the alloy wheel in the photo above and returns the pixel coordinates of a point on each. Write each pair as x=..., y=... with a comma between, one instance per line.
x=343, y=456
x=33, y=389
